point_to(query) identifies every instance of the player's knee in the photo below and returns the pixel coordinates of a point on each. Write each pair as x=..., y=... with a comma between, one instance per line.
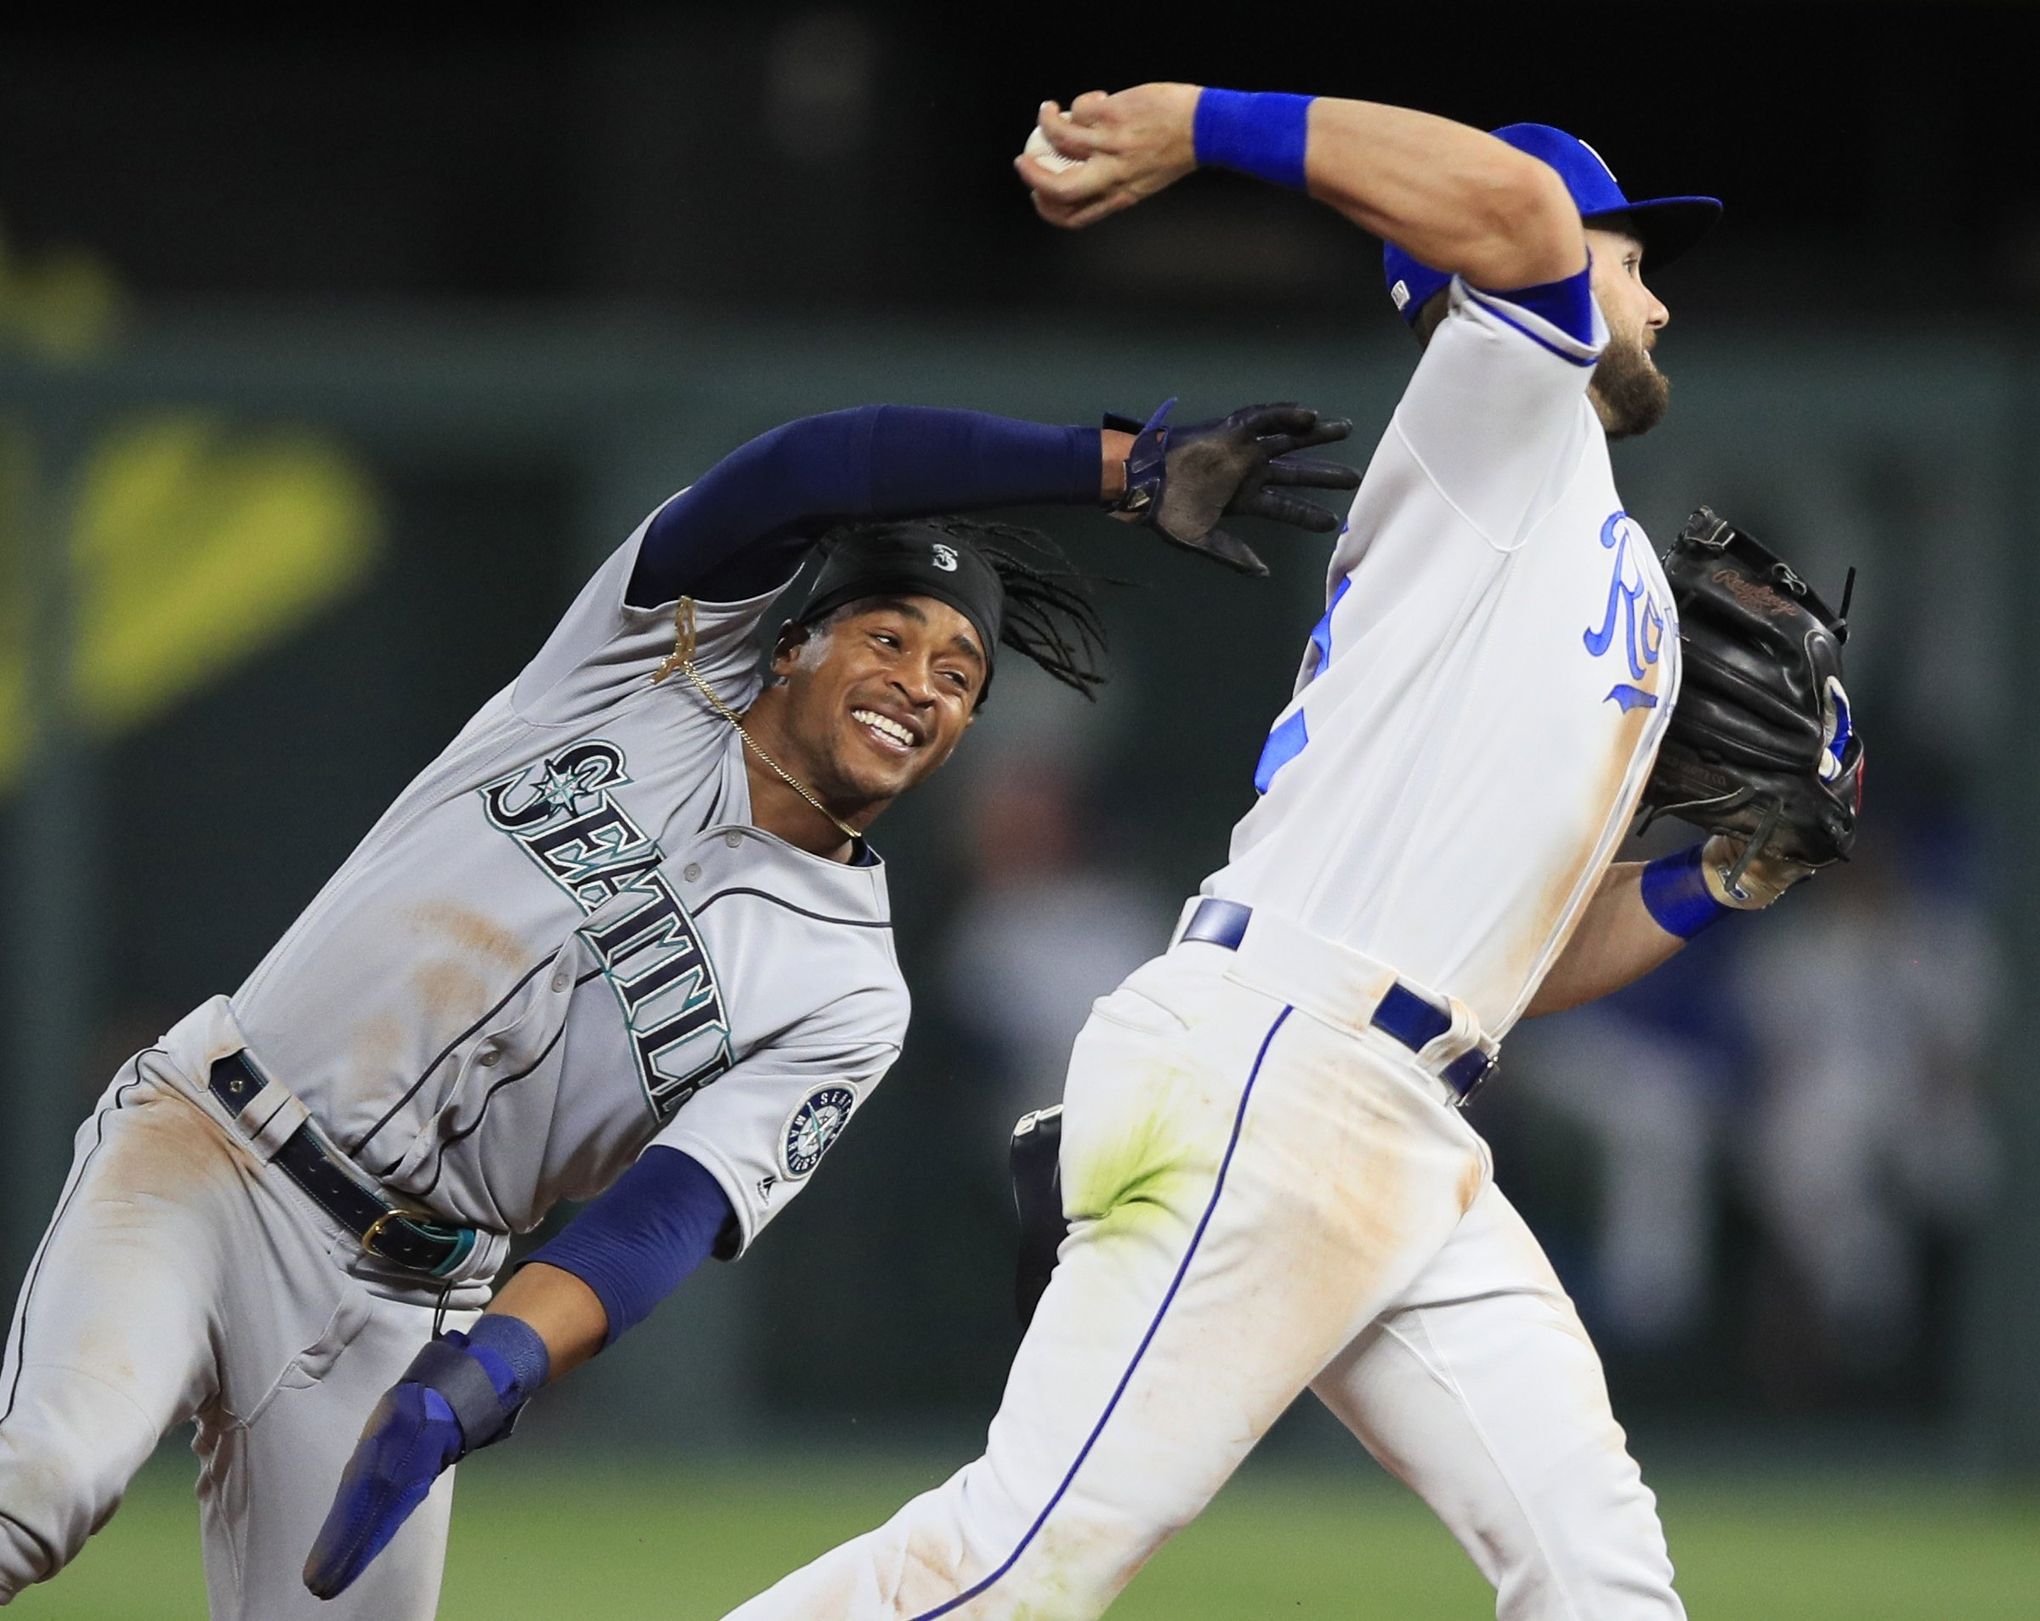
x=51, y=1499
x=36, y=1532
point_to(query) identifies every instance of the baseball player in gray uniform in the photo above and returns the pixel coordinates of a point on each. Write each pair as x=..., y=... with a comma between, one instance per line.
x=624, y=937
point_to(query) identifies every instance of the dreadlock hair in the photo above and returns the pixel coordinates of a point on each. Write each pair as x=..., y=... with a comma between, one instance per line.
x=1049, y=615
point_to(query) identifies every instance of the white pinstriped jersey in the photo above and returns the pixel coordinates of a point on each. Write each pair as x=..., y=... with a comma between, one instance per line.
x=566, y=941
x=1480, y=706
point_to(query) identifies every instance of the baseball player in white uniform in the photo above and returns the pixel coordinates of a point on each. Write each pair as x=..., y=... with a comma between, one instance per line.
x=1269, y=1180
x=624, y=934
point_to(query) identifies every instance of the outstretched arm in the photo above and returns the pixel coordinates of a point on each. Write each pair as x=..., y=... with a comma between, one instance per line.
x=1644, y=912
x=1451, y=195
x=602, y=1274
x=740, y=529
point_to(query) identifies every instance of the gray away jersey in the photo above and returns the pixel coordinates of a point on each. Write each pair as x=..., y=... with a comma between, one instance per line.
x=565, y=942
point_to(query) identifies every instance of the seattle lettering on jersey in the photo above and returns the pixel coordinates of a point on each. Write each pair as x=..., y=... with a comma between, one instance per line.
x=562, y=814
x=1643, y=626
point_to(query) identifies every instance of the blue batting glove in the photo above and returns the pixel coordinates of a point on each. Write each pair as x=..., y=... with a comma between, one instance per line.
x=461, y=1392
x=411, y=1436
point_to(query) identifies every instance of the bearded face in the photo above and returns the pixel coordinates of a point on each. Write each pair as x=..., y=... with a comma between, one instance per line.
x=1629, y=392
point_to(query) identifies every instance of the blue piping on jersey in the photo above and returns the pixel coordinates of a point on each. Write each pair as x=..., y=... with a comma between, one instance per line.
x=1493, y=308
x=1567, y=303
x=1321, y=632
x=1284, y=744
x=1175, y=1284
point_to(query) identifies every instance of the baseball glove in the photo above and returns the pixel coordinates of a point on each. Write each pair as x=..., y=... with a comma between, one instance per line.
x=1762, y=745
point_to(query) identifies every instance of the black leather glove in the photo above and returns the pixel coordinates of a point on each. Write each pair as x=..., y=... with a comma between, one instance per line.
x=1181, y=481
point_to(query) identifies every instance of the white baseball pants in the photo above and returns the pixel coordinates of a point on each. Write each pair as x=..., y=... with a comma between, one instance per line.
x=182, y=1278
x=1266, y=1199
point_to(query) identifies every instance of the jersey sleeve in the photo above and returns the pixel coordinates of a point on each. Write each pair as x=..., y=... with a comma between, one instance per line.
x=1496, y=409
x=762, y=1129
x=605, y=649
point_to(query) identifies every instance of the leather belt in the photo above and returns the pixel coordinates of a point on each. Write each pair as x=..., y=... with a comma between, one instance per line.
x=408, y=1238
x=1407, y=1015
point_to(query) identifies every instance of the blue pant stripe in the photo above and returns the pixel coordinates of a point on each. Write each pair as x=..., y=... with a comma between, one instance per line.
x=1147, y=1339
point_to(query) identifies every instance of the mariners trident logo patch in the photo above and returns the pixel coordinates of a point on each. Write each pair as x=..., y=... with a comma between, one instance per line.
x=817, y=1123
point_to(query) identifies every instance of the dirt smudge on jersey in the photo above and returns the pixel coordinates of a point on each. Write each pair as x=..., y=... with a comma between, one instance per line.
x=451, y=989
x=477, y=935
x=1548, y=925
x=375, y=1050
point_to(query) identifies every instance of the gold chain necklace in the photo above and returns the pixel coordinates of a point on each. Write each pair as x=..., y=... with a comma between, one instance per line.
x=682, y=659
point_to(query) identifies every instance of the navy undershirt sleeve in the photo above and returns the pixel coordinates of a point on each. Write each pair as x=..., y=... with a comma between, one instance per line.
x=740, y=529
x=636, y=1243
x=1567, y=304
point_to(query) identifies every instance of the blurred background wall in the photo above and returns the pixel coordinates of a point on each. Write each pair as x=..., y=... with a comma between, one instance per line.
x=330, y=363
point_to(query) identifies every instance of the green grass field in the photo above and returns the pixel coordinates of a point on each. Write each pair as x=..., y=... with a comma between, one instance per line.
x=688, y=1545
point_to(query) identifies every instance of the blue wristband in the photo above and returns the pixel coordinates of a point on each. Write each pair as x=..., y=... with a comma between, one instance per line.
x=512, y=1352
x=1261, y=133
x=1676, y=895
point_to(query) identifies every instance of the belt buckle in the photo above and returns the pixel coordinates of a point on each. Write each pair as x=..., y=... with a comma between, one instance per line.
x=460, y=1240
x=374, y=1230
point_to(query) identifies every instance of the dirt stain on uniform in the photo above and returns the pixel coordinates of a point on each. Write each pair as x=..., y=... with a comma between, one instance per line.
x=164, y=1148
x=475, y=934
x=1469, y=1183
x=451, y=989
x=1548, y=925
x=1150, y=1172
x=377, y=1046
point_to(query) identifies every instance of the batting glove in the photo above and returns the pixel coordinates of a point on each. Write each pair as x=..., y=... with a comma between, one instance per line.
x=461, y=1392
x=1181, y=481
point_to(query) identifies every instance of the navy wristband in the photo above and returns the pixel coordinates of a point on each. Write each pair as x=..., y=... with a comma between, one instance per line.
x=1676, y=895
x=510, y=1348
x=1261, y=133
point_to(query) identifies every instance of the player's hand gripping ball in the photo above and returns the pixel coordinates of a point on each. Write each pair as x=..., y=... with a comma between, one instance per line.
x=1043, y=151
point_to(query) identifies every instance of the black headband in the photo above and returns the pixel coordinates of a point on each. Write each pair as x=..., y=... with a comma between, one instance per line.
x=911, y=560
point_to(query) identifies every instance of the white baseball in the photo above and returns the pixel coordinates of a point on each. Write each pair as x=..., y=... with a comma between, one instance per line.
x=1046, y=155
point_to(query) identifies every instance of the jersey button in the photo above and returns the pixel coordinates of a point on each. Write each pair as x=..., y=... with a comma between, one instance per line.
x=691, y=871
x=733, y=839
x=489, y=1055
x=560, y=980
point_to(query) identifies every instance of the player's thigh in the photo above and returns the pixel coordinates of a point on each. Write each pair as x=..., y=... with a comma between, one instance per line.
x=1482, y=1391
x=113, y=1332
x=1245, y=1190
x=270, y=1475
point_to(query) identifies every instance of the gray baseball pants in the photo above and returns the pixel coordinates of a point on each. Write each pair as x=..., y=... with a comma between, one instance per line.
x=182, y=1278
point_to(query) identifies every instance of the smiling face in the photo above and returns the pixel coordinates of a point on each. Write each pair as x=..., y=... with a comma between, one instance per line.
x=1629, y=392
x=875, y=697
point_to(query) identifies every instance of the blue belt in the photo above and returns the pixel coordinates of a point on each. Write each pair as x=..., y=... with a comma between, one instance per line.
x=1410, y=1017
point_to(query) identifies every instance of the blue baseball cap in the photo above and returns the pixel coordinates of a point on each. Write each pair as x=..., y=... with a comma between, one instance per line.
x=1667, y=226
